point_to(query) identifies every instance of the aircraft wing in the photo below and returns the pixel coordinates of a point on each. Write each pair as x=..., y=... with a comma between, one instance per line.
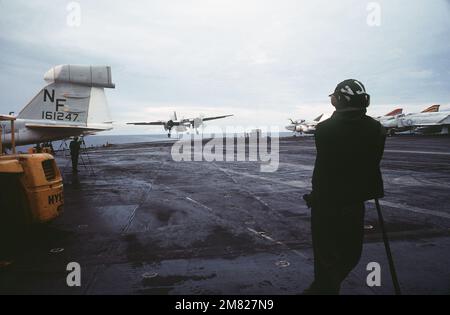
x=217, y=117
x=64, y=127
x=152, y=123
x=7, y=117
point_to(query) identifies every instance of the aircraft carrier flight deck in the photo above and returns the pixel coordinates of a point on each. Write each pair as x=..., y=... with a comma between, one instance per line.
x=138, y=222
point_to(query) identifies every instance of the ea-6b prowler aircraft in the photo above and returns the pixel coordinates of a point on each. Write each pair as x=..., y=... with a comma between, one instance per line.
x=72, y=104
x=180, y=125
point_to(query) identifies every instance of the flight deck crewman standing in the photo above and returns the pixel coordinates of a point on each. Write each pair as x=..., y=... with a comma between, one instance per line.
x=349, y=146
x=74, y=147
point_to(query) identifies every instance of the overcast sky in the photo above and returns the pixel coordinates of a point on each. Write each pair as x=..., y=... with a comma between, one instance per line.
x=264, y=61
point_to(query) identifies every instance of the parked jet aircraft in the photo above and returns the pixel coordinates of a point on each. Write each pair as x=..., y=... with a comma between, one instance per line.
x=72, y=104
x=179, y=125
x=304, y=127
x=428, y=121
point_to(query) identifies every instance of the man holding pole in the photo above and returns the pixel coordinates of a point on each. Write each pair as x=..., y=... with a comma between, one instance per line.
x=349, y=146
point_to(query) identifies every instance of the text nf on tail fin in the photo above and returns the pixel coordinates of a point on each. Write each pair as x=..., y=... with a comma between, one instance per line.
x=318, y=118
x=74, y=96
x=395, y=112
x=432, y=109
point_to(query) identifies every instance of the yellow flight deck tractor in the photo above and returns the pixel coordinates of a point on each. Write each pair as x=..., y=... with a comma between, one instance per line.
x=31, y=187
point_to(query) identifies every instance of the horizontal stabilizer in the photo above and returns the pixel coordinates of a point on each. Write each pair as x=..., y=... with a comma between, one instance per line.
x=7, y=117
x=65, y=127
x=99, y=76
x=318, y=118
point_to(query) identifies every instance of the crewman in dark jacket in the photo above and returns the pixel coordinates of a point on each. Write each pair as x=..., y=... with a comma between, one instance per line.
x=74, y=147
x=349, y=146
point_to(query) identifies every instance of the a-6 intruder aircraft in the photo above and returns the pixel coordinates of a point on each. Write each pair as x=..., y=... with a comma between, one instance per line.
x=72, y=104
x=180, y=125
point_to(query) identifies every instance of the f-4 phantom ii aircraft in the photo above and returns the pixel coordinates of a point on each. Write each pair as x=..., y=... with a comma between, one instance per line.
x=72, y=104
x=428, y=121
x=180, y=125
x=304, y=127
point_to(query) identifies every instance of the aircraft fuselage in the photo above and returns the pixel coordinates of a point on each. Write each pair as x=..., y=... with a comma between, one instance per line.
x=24, y=135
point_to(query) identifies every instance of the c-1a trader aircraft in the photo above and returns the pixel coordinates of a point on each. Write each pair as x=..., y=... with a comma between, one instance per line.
x=72, y=104
x=179, y=125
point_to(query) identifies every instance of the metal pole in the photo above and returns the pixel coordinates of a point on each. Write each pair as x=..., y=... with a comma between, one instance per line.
x=88, y=158
x=388, y=250
x=1, y=141
x=13, y=140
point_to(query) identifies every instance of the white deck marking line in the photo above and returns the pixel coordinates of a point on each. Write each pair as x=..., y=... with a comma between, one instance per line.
x=199, y=204
x=413, y=209
x=262, y=201
x=265, y=236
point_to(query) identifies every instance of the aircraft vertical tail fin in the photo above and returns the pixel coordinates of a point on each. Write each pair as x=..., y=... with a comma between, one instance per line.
x=318, y=118
x=75, y=96
x=432, y=109
x=395, y=112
